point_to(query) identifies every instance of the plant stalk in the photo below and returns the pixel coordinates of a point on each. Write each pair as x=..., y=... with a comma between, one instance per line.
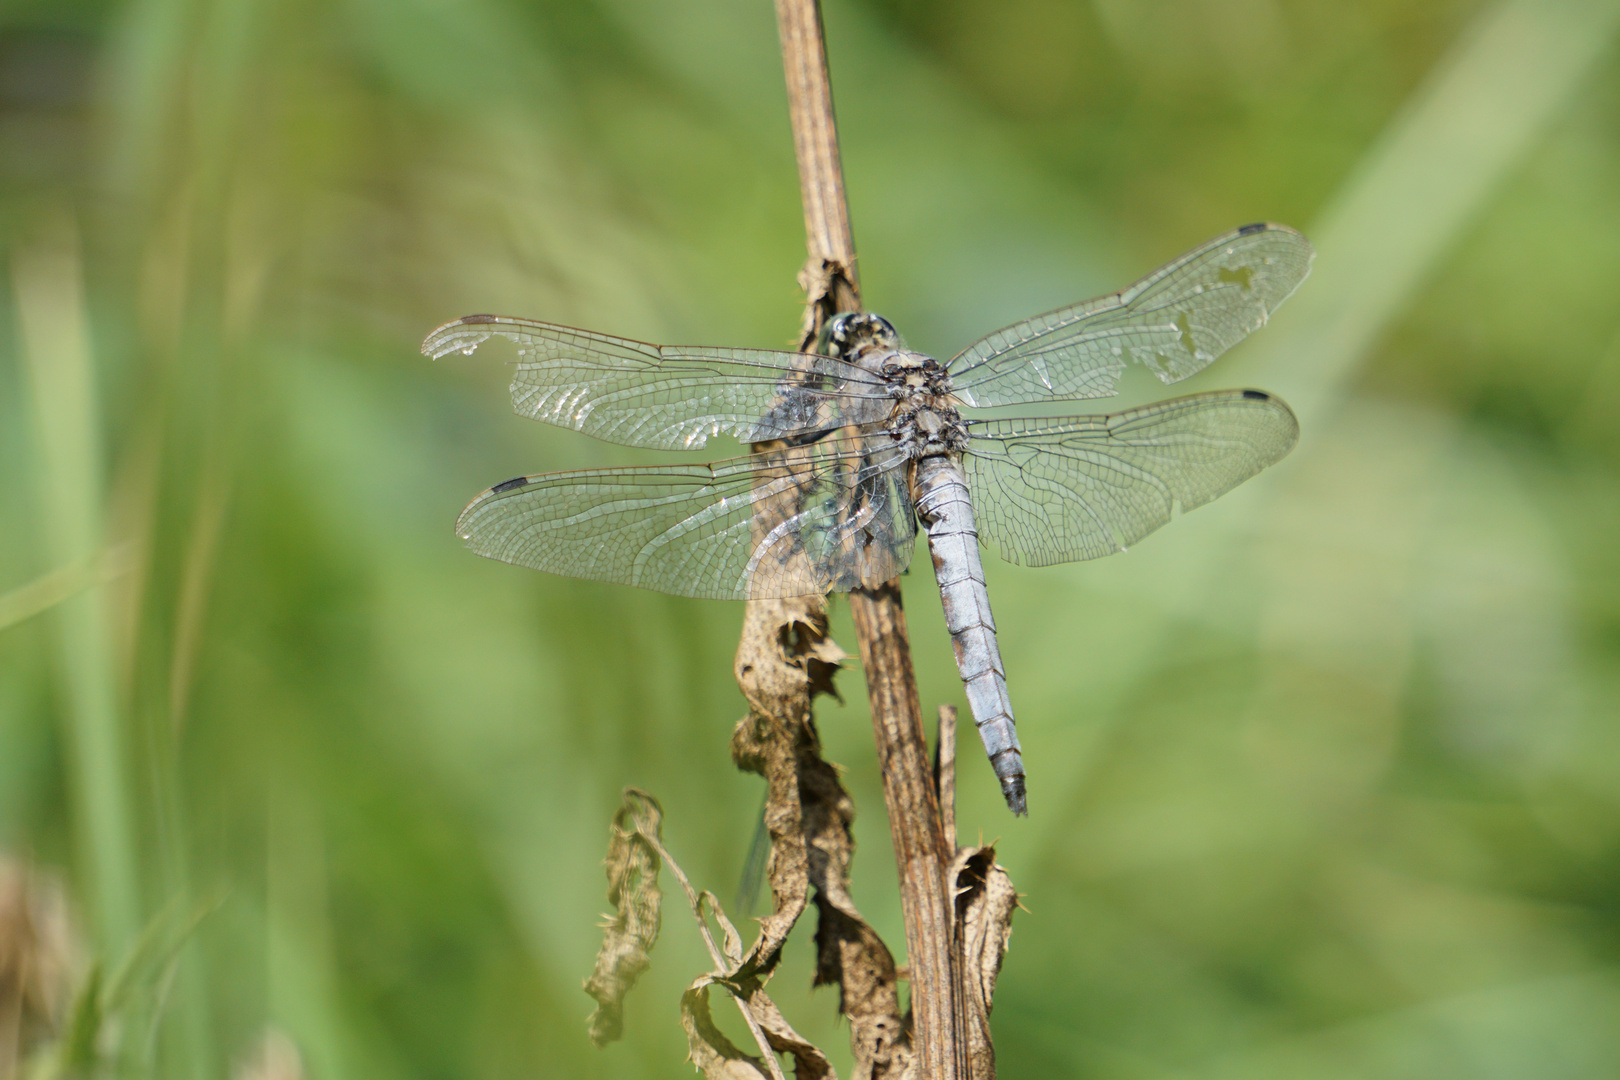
x=921, y=854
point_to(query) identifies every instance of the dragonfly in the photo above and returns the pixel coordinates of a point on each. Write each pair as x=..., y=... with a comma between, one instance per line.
x=860, y=443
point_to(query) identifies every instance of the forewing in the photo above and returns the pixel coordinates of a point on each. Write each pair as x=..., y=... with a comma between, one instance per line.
x=825, y=517
x=1175, y=322
x=1053, y=491
x=669, y=397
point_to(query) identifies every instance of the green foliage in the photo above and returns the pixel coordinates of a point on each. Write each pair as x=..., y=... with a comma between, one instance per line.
x=1323, y=778
x=110, y=1026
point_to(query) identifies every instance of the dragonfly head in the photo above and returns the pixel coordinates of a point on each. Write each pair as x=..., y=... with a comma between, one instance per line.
x=850, y=335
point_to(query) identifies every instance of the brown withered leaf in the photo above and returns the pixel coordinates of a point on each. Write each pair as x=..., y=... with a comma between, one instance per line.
x=630, y=933
x=635, y=856
x=985, y=901
x=851, y=956
x=809, y=1063
x=709, y=1049
x=716, y=1056
x=781, y=664
x=721, y=1059
x=730, y=941
x=784, y=660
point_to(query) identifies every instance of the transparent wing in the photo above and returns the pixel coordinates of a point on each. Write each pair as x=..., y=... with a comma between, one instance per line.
x=1175, y=322
x=825, y=517
x=1052, y=491
x=669, y=397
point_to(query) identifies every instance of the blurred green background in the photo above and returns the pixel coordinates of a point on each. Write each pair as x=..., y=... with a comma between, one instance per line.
x=1325, y=778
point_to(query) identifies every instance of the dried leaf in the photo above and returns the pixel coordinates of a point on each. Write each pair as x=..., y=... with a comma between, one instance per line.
x=985, y=901
x=809, y=1063
x=851, y=956
x=808, y=815
x=708, y=1048
x=849, y=953
x=721, y=1059
x=637, y=853
x=628, y=935
x=731, y=941
x=784, y=660
x=717, y=1056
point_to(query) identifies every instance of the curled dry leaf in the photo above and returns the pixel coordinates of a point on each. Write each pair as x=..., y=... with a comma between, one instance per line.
x=710, y=1050
x=716, y=1056
x=630, y=933
x=809, y=1063
x=730, y=940
x=720, y=1059
x=985, y=900
x=635, y=855
x=784, y=660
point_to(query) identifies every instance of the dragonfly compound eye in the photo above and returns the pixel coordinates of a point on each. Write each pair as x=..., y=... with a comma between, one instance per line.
x=848, y=335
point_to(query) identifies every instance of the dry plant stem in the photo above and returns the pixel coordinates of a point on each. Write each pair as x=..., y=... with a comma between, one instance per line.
x=815, y=137
x=880, y=622
x=914, y=825
x=945, y=773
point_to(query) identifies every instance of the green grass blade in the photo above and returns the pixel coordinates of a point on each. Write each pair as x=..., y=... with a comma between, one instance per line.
x=51, y=310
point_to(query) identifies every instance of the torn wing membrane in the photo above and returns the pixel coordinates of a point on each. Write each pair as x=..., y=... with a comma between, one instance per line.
x=669, y=397
x=1065, y=490
x=1175, y=322
x=808, y=520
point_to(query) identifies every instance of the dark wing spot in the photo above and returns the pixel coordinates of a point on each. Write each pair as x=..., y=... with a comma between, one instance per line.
x=1258, y=226
x=475, y=319
x=508, y=485
x=1252, y=395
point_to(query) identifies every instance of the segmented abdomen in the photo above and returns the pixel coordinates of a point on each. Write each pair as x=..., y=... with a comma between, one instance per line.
x=946, y=512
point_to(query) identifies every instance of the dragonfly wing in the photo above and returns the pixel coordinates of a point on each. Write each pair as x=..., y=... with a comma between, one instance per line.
x=1053, y=491
x=1175, y=322
x=825, y=517
x=669, y=397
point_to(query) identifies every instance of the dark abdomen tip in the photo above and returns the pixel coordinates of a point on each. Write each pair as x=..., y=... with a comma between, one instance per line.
x=1012, y=788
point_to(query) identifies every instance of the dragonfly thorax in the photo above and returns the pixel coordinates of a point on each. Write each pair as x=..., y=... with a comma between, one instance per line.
x=912, y=374
x=925, y=419
x=926, y=426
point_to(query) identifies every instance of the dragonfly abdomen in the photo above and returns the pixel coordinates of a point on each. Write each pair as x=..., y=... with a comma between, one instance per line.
x=947, y=513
